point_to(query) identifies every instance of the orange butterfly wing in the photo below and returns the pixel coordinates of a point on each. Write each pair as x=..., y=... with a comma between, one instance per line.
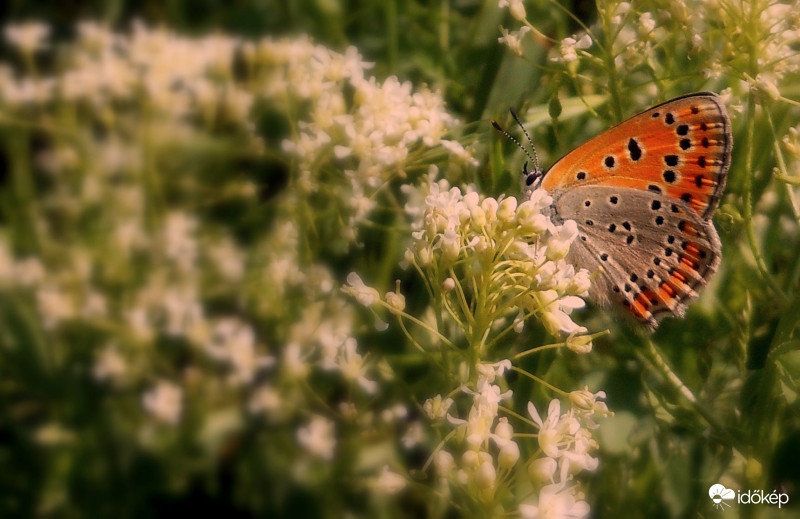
x=680, y=148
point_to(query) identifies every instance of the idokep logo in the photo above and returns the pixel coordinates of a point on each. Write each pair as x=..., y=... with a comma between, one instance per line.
x=719, y=495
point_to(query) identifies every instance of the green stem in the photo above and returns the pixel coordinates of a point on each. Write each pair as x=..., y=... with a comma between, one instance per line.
x=748, y=202
x=783, y=170
x=654, y=358
x=611, y=68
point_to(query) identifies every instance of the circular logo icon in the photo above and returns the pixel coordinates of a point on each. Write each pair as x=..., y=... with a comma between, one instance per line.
x=719, y=494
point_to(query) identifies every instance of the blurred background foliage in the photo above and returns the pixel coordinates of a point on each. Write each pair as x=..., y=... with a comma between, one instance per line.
x=96, y=421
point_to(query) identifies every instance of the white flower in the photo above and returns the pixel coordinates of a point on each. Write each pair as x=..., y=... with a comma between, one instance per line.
x=483, y=412
x=228, y=259
x=94, y=36
x=554, y=430
x=555, y=502
x=768, y=84
x=562, y=436
x=647, y=23
x=570, y=46
x=234, y=342
x=294, y=362
x=488, y=372
x=414, y=435
x=109, y=365
x=542, y=470
x=444, y=463
x=353, y=366
x=266, y=400
x=579, y=343
x=587, y=404
x=317, y=437
x=364, y=294
x=396, y=301
x=508, y=455
x=28, y=272
x=182, y=308
x=486, y=477
x=179, y=238
x=436, y=408
x=562, y=238
x=388, y=483
x=54, y=305
x=556, y=312
x=515, y=7
x=578, y=454
x=164, y=402
x=27, y=37
x=513, y=39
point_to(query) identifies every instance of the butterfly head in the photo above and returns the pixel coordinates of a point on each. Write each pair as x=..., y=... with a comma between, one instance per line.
x=531, y=179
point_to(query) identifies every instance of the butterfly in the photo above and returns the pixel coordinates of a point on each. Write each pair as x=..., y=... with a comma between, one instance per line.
x=643, y=194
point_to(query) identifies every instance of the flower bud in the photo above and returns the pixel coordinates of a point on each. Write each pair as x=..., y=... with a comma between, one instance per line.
x=508, y=456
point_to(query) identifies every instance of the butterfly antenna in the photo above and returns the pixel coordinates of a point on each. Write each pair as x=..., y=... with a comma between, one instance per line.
x=515, y=141
x=530, y=141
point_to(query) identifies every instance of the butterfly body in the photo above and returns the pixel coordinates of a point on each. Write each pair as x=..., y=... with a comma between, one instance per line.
x=643, y=194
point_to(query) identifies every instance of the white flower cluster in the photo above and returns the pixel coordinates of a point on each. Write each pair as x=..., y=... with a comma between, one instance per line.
x=476, y=469
x=712, y=43
x=567, y=444
x=506, y=255
x=485, y=454
x=359, y=132
x=773, y=33
x=494, y=263
x=27, y=37
x=177, y=75
x=197, y=319
x=633, y=42
x=151, y=265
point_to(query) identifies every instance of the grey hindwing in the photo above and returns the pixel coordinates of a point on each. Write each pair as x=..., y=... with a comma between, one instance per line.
x=647, y=248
